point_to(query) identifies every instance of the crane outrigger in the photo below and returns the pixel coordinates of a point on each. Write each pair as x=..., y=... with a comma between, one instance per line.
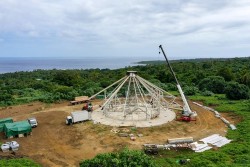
x=187, y=113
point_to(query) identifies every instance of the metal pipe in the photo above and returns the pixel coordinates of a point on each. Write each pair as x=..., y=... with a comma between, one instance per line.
x=106, y=88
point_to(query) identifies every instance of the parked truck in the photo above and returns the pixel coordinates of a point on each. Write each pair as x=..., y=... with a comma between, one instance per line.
x=78, y=116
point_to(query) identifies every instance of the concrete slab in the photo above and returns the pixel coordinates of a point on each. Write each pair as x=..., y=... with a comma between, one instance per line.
x=135, y=119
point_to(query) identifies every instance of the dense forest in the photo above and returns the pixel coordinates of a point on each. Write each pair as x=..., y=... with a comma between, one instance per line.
x=224, y=84
x=230, y=76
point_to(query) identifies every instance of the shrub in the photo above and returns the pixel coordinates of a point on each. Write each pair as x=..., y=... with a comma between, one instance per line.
x=242, y=159
x=209, y=159
x=207, y=93
x=216, y=84
x=120, y=159
x=236, y=91
x=190, y=90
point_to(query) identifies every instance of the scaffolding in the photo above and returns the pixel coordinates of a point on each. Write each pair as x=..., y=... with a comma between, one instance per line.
x=134, y=98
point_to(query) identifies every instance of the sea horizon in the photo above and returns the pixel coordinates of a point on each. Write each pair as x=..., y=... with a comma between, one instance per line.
x=16, y=64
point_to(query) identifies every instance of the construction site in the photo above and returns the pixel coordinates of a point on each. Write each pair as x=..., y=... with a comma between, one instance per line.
x=53, y=143
x=133, y=113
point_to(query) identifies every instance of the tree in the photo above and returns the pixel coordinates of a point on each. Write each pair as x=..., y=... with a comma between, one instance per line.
x=216, y=84
x=245, y=79
x=236, y=91
x=165, y=77
x=226, y=73
x=67, y=77
x=5, y=97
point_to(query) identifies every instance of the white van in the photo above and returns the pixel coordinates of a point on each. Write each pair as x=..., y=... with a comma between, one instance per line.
x=33, y=122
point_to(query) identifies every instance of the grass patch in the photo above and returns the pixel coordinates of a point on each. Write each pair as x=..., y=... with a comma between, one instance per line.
x=236, y=153
x=213, y=100
x=220, y=103
x=18, y=162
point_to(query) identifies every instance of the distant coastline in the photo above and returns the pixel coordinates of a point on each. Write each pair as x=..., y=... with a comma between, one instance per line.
x=189, y=60
x=15, y=64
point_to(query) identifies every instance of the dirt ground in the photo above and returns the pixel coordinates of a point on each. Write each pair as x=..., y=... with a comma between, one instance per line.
x=53, y=143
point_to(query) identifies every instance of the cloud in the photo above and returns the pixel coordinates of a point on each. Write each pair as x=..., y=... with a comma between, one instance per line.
x=124, y=23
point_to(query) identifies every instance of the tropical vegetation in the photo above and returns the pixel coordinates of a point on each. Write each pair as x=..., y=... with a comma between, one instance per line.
x=221, y=83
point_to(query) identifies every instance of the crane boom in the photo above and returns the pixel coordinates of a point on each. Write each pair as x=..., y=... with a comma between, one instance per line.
x=186, y=109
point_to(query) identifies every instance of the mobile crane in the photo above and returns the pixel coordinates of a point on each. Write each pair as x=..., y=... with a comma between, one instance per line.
x=187, y=113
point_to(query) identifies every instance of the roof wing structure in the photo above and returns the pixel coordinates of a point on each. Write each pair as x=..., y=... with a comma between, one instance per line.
x=135, y=99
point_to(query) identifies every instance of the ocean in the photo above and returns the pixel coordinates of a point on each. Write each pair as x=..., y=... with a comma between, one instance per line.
x=14, y=64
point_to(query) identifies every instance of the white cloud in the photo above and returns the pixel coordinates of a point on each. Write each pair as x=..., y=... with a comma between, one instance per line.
x=129, y=22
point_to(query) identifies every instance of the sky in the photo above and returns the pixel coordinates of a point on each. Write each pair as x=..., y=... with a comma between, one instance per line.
x=125, y=28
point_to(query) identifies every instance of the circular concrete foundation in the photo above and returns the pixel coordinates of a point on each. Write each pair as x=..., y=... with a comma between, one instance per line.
x=137, y=119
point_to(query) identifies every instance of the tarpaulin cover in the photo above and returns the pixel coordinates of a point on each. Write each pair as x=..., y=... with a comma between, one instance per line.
x=16, y=128
x=3, y=121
